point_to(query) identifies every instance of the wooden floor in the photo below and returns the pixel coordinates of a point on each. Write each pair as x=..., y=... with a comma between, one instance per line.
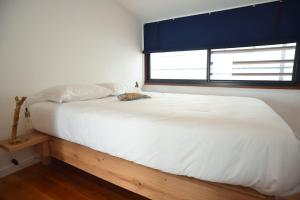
x=59, y=181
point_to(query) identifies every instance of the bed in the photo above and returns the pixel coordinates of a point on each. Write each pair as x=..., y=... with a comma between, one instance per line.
x=228, y=140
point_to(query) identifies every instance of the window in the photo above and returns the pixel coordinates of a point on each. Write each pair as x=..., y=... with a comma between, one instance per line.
x=190, y=65
x=260, y=63
x=256, y=65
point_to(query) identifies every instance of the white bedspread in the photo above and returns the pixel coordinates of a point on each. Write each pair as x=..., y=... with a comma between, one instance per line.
x=234, y=140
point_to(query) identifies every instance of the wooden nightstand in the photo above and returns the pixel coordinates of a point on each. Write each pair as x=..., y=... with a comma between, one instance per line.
x=33, y=139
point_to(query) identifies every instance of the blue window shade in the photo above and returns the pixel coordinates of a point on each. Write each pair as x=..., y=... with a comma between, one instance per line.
x=276, y=22
x=290, y=20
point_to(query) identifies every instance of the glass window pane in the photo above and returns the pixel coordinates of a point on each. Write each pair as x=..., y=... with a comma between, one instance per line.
x=190, y=65
x=263, y=63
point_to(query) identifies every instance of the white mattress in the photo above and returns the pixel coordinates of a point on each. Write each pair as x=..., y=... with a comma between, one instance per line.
x=234, y=140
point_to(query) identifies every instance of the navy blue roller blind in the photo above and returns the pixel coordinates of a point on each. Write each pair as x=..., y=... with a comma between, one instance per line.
x=267, y=23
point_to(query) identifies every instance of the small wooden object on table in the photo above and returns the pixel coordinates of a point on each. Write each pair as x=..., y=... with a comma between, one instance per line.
x=33, y=139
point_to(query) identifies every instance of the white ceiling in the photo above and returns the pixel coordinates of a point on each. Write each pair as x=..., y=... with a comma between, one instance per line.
x=155, y=10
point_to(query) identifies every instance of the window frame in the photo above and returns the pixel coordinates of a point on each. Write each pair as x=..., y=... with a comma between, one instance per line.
x=294, y=83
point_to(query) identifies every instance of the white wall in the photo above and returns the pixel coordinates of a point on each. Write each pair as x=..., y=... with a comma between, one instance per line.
x=285, y=102
x=50, y=42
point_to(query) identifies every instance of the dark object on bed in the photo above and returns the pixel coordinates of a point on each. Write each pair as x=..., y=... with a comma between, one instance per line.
x=132, y=96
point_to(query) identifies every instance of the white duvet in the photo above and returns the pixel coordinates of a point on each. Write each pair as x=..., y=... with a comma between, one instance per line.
x=234, y=140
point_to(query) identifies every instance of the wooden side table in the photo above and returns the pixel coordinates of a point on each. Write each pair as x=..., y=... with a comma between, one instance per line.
x=33, y=139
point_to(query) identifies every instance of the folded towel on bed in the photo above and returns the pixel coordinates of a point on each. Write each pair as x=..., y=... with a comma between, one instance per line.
x=132, y=96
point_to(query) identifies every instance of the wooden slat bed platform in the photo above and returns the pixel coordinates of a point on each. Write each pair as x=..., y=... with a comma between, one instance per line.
x=145, y=181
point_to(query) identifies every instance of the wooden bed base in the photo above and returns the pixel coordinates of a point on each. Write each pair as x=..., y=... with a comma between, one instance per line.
x=142, y=180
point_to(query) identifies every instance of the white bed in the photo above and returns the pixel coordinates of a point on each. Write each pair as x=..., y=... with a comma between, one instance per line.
x=234, y=140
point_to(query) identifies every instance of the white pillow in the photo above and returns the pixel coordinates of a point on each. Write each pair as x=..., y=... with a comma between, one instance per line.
x=118, y=88
x=67, y=93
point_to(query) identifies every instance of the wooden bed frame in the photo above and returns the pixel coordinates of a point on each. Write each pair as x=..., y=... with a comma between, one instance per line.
x=142, y=180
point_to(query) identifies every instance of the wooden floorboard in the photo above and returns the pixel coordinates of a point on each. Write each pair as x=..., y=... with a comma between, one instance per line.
x=59, y=181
